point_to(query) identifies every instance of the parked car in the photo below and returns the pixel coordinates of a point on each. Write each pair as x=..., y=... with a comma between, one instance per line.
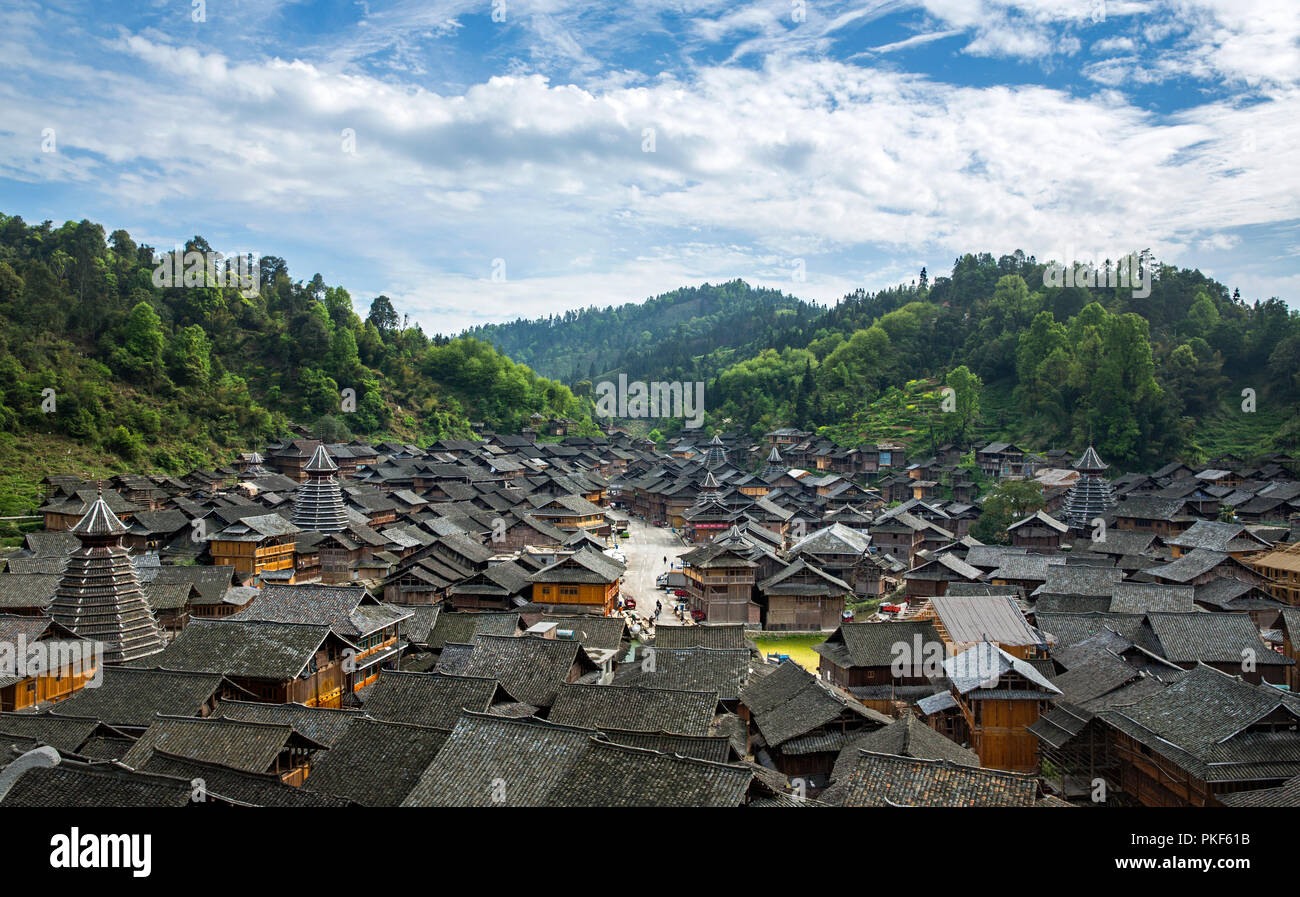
x=697, y=616
x=847, y=616
x=681, y=593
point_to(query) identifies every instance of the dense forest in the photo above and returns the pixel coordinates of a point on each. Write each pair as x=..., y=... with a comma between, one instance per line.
x=102, y=369
x=689, y=334
x=1145, y=379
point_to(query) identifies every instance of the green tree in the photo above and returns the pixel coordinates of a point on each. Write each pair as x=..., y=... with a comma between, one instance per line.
x=383, y=315
x=965, y=387
x=1203, y=316
x=190, y=356
x=329, y=428
x=141, y=354
x=1010, y=500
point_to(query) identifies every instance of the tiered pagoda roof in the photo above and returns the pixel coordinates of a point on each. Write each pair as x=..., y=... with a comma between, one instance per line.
x=1090, y=462
x=99, y=595
x=254, y=468
x=1091, y=495
x=716, y=456
x=710, y=507
x=774, y=467
x=318, y=503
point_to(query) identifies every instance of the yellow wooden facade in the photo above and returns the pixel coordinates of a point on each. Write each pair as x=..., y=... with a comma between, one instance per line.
x=1282, y=566
x=603, y=596
x=254, y=558
x=41, y=689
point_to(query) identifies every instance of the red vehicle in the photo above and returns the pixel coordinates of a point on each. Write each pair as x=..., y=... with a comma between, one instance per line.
x=629, y=603
x=893, y=608
x=697, y=616
x=661, y=523
x=681, y=593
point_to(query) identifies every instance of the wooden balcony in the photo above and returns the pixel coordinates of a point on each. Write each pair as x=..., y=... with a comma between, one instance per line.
x=720, y=580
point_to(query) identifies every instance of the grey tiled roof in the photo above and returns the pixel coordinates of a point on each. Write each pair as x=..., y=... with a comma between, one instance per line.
x=790, y=702
x=27, y=590
x=1214, y=535
x=1101, y=674
x=105, y=747
x=595, y=633
x=1196, y=562
x=1285, y=795
x=134, y=697
x=429, y=699
x=1079, y=579
x=705, y=635
x=716, y=748
x=100, y=785
x=1072, y=604
x=1202, y=722
x=1031, y=567
x=724, y=670
x=531, y=669
x=1070, y=629
x=349, y=610
x=885, y=780
x=1143, y=597
x=586, y=566
x=618, y=775
x=64, y=733
x=635, y=708
x=461, y=628
x=491, y=761
x=906, y=736
x=376, y=763
x=874, y=644
x=323, y=724
x=253, y=789
x=1211, y=638
x=255, y=650
x=252, y=747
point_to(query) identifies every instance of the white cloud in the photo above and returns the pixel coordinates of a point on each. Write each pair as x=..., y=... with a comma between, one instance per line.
x=848, y=167
x=1114, y=44
x=915, y=40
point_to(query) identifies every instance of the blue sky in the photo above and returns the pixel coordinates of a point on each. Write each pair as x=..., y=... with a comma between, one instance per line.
x=595, y=153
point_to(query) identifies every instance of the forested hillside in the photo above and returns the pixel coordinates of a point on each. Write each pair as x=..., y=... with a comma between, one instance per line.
x=1146, y=379
x=690, y=333
x=152, y=378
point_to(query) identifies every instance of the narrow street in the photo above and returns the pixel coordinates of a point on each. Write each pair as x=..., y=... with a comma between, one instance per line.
x=646, y=548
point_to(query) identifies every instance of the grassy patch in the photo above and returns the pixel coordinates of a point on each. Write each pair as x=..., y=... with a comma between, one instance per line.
x=1271, y=427
x=798, y=646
